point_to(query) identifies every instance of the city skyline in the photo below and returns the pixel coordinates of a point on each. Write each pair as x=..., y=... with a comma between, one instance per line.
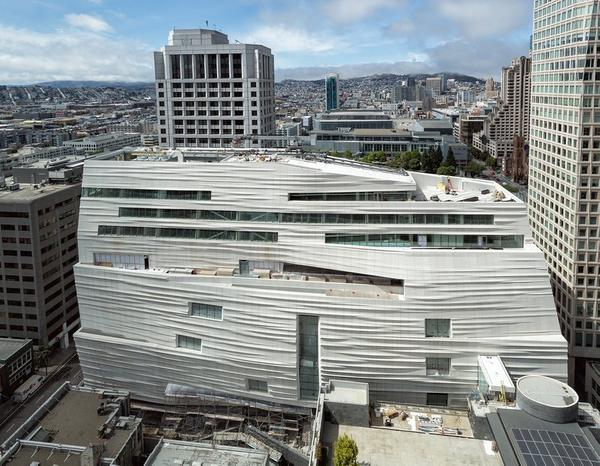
x=113, y=41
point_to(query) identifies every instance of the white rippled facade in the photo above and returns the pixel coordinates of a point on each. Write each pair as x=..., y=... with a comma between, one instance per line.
x=497, y=301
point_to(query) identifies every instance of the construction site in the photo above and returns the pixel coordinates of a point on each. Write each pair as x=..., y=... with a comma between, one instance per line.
x=215, y=419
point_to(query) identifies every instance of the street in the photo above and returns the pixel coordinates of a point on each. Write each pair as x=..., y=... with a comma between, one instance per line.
x=65, y=365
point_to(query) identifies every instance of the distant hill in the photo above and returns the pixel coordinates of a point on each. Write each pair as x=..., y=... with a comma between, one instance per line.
x=96, y=84
x=389, y=77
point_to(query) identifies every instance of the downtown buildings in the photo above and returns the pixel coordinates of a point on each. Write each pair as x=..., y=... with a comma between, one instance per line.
x=508, y=124
x=265, y=275
x=564, y=172
x=211, y=93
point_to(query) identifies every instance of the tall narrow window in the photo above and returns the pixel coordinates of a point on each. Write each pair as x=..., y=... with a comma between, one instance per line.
x=237, y=65
x=187, y=67
x=199, y=66
x=308, y=357
x=175, y=67
x=212, y=66
x=224, y=65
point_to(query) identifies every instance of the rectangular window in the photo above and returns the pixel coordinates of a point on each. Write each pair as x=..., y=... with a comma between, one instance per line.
x=190, y=343
x=437, y=399
x=437, y=328
x=437, y=366
x=146, y=194
x=188, y=233
x=121, y=261
x=293, y=217
x=206, y=311
x=258, y=386
x=352, y=196
x=404, y=240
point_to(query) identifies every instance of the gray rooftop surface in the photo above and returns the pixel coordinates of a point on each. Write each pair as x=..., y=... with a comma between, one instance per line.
x=548, y=391
x=26, y=192
x=45, y=456
x=75, y=421
x=382, y=447
x=168, y=453
x=9, y=346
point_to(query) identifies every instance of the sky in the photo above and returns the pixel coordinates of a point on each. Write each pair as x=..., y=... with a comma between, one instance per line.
x=113, y=40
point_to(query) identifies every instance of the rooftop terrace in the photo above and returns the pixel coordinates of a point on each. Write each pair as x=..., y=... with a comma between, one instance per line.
x=426, y=187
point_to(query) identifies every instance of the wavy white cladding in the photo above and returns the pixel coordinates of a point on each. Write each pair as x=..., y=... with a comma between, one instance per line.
x=499, y=300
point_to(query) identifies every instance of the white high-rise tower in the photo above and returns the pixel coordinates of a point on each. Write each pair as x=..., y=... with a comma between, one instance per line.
x=211, y=93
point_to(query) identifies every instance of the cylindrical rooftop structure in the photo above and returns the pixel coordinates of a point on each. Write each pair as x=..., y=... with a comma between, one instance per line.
x=547, y=399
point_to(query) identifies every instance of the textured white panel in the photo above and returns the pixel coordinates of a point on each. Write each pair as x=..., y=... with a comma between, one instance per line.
x=499, y=300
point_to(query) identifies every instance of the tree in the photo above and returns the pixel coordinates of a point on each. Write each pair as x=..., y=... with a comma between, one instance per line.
x=450, y=159
x=490, y=161
x=427, y=161
x=407, y=160
x=474, y=153
x=345, y=451
x=437, y=159
x=373, y=157
x=446, y=171
x=414, y=164
x=474, y=168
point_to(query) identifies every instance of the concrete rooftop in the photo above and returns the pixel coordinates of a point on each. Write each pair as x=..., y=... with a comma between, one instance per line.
x=385, y=447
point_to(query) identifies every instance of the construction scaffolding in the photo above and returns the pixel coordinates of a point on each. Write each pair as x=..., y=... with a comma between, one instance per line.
x=200, y=416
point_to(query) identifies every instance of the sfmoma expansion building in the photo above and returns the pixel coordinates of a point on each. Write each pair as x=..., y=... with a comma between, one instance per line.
x=264, y=276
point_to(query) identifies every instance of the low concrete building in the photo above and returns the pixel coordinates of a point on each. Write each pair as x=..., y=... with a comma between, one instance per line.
x=389, y=141
x=353, y=119
x=170, y=452
x=434, y=126
x=104, y=142
x=16, y=364
x=77, y=426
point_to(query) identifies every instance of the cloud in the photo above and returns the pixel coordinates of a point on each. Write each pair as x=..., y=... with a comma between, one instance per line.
x=87, y=22
x=402, y=26
x=481, y=58
x=486, y=18
x=351, y=11
x=28, y=56
x=282, y=39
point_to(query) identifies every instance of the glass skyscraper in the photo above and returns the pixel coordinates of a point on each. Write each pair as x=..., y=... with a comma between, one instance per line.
x=332, y=91
x=564, y=168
